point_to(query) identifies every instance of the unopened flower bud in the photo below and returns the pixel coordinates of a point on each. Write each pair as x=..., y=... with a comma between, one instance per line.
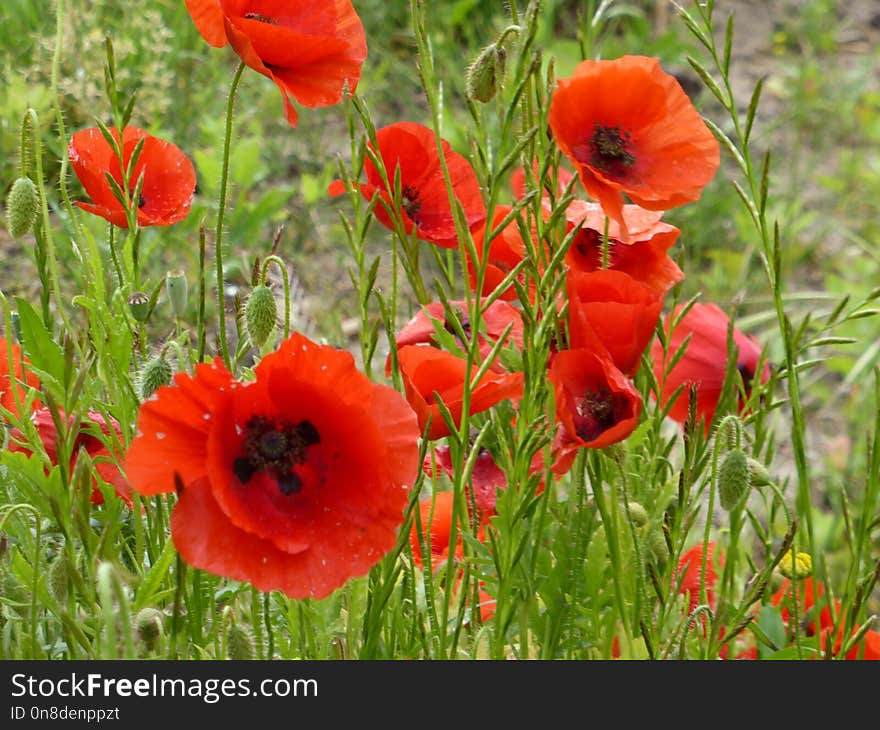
x=260, y=314
x=637, y=513
x=796, y=565
x=240, y=643
x=177, y=289
x=485, y=74
x=148, y=625
x=22, y=206
x=139, y=304
x=658, y=547
x=734, y=480
x=58, y=578
x=155, y=373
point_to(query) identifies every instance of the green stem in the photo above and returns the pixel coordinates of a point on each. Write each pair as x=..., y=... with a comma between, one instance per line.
x=221, y=211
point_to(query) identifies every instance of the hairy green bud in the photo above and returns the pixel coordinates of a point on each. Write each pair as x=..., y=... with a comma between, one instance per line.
x=485, y=74
x=155, y=373
x=240, y=643
x=21, y=207
x=734, y=479
x=260, y=314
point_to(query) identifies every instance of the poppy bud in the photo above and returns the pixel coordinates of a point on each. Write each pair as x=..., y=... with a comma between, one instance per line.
x=21, y=207
x=796, y=565
x=58, y=578
x=148, y=624
x=240, y=643
x=485, y=74
x=156, y=373
x=260, y=314
x=177, y=290
x=658, y=547
x=734, y=480
x=638, y=514
x=139, y=304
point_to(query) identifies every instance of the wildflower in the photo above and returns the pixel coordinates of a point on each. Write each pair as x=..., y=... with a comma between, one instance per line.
x=311, y=50
x=169, y=179
x=495, y=320
x=595, y=403
x=485, y=480
x=98, y=447
x=610, y=312
x=410, y=150
x=628, y=127
x=503, y=253
x=296, y=481
x=644, y=256
x=704, y=361
x=430, y=375
x=11, y=371
x=690, y=568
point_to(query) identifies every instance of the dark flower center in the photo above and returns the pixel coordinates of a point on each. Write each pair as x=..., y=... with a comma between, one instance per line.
x=597, y=412
x=588, y=244
x=261, y=18
x=609, y=150
x=276, y=448
x=410, y=201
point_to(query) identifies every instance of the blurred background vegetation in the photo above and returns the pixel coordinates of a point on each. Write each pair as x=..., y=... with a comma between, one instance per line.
x=820, y=117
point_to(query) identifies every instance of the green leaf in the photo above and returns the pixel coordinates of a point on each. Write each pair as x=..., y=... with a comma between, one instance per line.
x=43, y=351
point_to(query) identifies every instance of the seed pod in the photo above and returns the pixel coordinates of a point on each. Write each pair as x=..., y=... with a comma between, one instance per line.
x=260, y=314
x=734, y=480
x=155, y=373
x=21, y=207
x=240, y=643
x=177, y=289
x=139, y=304
x=485, y=74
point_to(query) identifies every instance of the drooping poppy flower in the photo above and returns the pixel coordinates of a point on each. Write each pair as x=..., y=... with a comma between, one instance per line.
x=595, y=403
x=486, y=477
x=412, y=149
x=429, y=374
x=86, y=437
x=310, y=50
x=169, y=176
x=495, y=319
x=644, y=257
x=704, y=361
x=10, y=374
x=609, y=311
x=628, y=127
x=296, y=481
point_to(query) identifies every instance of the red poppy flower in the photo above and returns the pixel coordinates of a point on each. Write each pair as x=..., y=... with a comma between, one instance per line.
x=8, y=391
x=628, y=127
x=295, y=482
x=595, y=403
x=429, y=374
x=97, y=447
x=691, y=564
x=436, y=519
x=311, y=50
x=169, y=176
x=609, y=311
x=704, y=361
x=503, y=253
x=486, y=477
x=412, y=149
x=496, y=318
x=644, y=258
